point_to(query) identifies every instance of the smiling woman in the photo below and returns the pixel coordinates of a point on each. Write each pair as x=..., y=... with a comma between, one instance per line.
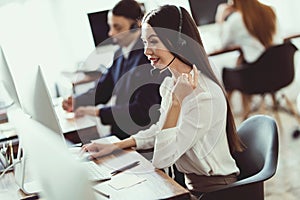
x=195, y=131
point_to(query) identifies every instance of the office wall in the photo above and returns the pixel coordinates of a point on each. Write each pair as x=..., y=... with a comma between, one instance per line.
x=53, y=33
x=288, y=14
x=28, y=40
x=74, y=27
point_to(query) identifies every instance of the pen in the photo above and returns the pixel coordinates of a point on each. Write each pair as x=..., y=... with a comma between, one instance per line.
x=102, y=193
x=136, y=163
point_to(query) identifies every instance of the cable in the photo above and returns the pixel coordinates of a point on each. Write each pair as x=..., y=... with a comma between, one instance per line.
x=8, y=168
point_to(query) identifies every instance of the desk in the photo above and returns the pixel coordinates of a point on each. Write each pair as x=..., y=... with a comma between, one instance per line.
x=157, y=185
x=9, y=189
x=76, y=130
x=226, y=50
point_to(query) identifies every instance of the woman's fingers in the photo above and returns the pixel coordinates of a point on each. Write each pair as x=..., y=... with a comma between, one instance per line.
x=191, y=80
x=195, y=70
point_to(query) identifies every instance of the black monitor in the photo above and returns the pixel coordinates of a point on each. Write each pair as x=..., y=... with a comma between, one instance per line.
x=204, y=11
x=99, y=27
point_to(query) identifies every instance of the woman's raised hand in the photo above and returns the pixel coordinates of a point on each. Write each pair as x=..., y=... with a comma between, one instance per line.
x=185, y=84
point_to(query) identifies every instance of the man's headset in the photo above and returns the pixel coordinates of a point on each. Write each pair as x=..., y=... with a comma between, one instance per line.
x=181, y=42
x=134, y=27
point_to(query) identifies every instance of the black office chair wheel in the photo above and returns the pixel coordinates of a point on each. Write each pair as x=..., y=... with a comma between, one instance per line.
x=296, y=133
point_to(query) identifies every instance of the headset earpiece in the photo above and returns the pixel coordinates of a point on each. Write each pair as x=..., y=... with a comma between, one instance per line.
x=181, y=42
x=133, y=27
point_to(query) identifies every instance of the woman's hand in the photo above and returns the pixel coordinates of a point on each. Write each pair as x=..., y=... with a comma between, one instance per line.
x=100, y=149
x=87, y=110
x=185, y=85
x=97, y=150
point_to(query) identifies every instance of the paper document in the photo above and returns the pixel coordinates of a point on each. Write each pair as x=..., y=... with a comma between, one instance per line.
x=125, y=180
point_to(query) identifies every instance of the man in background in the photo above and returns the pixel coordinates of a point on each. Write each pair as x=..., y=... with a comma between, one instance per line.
x=129, y=79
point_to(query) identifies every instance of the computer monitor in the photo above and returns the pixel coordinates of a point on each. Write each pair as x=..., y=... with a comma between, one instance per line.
x=57, y=173
x=8, y=83
x=99, y=27
x=44, y=111
x=204, y=11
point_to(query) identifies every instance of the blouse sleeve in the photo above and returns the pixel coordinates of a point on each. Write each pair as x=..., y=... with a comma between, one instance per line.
x=195, y=120
x=228, y=28
x=145, y=139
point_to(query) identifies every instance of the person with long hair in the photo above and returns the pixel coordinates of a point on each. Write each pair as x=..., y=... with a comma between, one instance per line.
x=248, y=24
x=196, y=129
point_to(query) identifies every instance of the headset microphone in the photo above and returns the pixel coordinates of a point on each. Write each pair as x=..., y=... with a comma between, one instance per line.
x=133, y=27
x=155, y=72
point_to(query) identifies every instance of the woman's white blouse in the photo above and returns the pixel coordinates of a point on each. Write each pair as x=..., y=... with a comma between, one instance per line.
x=198, y=144
x=234, y=32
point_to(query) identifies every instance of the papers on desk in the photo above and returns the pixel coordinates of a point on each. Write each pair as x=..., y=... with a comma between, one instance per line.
x=69, y=115
x=68, y=123
x=125, y=180
x=119, y=186
x=131, y=183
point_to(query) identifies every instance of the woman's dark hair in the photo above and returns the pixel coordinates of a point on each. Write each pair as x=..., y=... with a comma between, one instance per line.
x=129, y=9
x=166, y=21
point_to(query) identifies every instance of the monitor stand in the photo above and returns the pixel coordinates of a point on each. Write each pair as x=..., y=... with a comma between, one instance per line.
x=21, y=175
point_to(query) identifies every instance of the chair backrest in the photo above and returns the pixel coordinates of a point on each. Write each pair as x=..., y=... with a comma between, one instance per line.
x=260, y=135
x=273, y=70
x=257, y=163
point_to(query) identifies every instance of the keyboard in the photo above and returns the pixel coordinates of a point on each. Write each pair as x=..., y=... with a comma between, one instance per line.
x=96, y=172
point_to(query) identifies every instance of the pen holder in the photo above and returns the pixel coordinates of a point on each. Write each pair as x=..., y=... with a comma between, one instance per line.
x=6, y=154
x=10, y=153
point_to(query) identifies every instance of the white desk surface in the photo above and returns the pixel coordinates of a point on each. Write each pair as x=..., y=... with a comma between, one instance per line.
x=72, y=124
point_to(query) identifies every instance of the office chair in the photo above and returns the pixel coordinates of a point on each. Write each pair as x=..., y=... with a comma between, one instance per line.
x=257, y=163
x=290, y=37
x=272, y=71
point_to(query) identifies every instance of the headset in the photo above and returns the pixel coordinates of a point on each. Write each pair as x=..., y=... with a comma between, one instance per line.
x=181, y=42
x=134, y=27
